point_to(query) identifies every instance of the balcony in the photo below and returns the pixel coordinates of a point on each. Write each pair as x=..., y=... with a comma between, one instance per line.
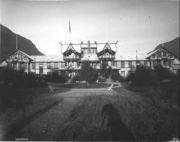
x=68, y=58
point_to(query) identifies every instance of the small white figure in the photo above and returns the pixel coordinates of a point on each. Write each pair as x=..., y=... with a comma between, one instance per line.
x=51, y=89
x=110, y=89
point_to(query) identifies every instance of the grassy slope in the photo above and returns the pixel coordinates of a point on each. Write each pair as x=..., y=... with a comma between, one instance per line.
x=146, y=119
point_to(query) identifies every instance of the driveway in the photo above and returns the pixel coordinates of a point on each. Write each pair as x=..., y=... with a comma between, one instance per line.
x=46, y=124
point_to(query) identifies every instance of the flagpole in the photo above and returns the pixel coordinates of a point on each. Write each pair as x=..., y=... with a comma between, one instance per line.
x=69, y=26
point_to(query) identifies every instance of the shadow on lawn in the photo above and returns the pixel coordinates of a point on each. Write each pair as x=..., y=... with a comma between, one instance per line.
x=113, y=128
x=15, y=130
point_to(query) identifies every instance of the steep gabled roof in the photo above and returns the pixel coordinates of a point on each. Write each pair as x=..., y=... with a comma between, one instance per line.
x=70, y=50
x=106, y=48
x=19, y=51
x=47, y=58
x=172, y=47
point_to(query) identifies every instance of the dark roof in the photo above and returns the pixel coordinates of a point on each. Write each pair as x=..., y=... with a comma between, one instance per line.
x=106, y=48
x=171, y=46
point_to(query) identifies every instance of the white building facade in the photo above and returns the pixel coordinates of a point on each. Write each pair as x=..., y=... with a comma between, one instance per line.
x=71, y=60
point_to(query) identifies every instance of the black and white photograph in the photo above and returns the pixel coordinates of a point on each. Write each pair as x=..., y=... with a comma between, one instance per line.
x=89, y=70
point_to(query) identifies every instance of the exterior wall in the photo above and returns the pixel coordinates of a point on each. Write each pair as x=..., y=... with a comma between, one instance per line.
x=127, y=66
x=45, y=67
x=165, y=59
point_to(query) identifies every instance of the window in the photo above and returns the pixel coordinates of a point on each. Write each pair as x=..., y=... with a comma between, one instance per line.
x=115, y=64
x=130, y=64
x=33, y=65
x=118, y=64
x=122, y=64
x=56, y=65
x=145, y=63
x=158, y=54
x=25, y=65
x=163, y=53
x=153, y=56
x=48, y=66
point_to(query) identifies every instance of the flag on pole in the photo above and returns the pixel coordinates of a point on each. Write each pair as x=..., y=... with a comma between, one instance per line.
x=69, y=26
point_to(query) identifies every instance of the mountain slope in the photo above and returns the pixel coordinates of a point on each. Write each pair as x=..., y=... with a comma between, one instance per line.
x=8, y=44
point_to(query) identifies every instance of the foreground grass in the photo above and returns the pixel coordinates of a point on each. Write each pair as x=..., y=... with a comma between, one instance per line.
x=129, y=114
x=18, y=107
x=144, y=118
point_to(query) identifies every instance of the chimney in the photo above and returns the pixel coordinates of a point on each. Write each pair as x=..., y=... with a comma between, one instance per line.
x=88, y=43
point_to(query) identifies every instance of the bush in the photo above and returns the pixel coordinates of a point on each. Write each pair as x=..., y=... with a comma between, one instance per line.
x=142, y=76
x=163, y=74
x=101, y=78
x=20, y=79
x=115, y=76
x=56, y=77
x=76, y=78
x=87, y=73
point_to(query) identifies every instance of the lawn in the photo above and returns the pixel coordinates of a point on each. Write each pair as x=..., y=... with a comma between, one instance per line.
x=132, y=113
x=124, y=116
x=19, y=107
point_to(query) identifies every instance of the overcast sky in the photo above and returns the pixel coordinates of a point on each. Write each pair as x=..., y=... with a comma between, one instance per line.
x=136, y=24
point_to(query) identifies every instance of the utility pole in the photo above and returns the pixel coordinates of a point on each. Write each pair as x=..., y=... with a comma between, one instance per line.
x=61, y=47
x=136, y=58
x=116, y=45
x=16, y=42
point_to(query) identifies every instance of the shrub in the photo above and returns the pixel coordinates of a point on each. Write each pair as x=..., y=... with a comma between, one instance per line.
x=115, y=76
x=76, y=78
x=21, y=79
x=142, y=76
x=163, y=73
x=101, y=78
x=87, y=73
x=56, y=77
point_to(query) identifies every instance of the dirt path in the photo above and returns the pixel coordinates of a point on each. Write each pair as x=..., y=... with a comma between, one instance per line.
x=48, y=124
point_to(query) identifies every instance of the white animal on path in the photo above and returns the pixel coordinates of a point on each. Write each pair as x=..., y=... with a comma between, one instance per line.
x=51, y=89
x=110, y=88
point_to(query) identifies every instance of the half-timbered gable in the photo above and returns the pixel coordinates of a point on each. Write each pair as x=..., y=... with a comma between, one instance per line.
x=107, y=53
x=161, y=56
x=166, y=55
x=19, y=56
x=19, y=60
x=71, y=57
x=71, y=54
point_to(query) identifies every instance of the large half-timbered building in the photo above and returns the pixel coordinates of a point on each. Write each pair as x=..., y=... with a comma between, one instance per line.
x=74, y=55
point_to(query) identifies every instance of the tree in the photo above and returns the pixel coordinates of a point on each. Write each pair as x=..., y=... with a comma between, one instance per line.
x=142, y=76
x=87, y=73
x=105, y=70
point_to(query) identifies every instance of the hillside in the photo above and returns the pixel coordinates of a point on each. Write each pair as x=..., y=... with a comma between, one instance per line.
x=8, y=43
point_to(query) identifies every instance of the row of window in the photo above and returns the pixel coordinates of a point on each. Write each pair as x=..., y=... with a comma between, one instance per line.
x=50, y=65
x=161, y=54
x=130, y=64
x=119, y=64
x=89, y=51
